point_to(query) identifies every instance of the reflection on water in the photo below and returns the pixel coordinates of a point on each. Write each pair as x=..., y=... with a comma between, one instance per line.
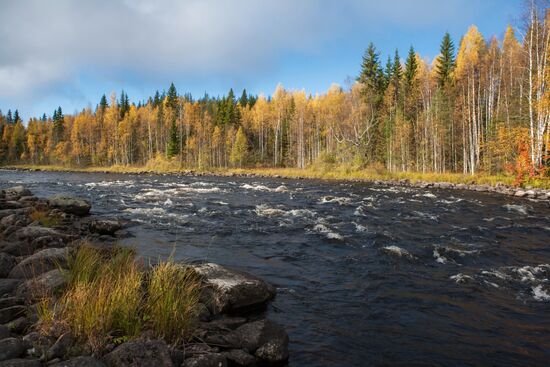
x=366, y=275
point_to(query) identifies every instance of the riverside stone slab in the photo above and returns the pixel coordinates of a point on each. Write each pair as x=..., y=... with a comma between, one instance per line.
x=40, y=262
x=70, y=204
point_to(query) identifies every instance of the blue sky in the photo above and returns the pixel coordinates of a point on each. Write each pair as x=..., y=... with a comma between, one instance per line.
x=70, y=52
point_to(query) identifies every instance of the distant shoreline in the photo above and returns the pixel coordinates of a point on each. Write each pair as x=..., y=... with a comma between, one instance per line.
x=482, y=183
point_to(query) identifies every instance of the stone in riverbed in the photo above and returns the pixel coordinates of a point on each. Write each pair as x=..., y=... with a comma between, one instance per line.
x=44, y=285
x=105, y=227
x=16, y=192
x=31, y=233
x=7, y=262
x=206, y=360
x=19, y=362
x=233, y=290
x=7, y=286
x=11, y=313
x=40, y=262
x=240, y=357
x=11, y=348
x=140, y=353
x=17, y=220
x=266, y=339
x=70, y=205
x=520, y=193
x=82, y=361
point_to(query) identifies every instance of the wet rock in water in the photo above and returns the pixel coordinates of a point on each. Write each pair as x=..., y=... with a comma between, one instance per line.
x=82, y=361
x=520, y=193
x=11, y=348
x=70, y=205
x=19, y=362
x=266, y=339
x=240, y=357
x=206, y=360
x=105, y=227
x=140, y=353
x=40, y=262
x=44, y=285
x=11, y=313
x=7, y=262
x=7, y=286
x=232, y=290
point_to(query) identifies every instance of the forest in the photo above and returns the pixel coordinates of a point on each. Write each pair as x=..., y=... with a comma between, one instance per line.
x=481, y=106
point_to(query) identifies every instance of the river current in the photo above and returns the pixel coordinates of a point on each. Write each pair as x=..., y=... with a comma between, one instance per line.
x=366, y=275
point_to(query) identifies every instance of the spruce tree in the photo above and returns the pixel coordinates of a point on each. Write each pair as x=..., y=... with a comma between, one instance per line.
x=446, y=61
x=103, y=104
x=58, y=120
x=243, y=101
x=16, y=117
x=371, y=73
x=388, y=72
x=411, y=67
x=9, y=117
x=174, y=141
x=172, y=97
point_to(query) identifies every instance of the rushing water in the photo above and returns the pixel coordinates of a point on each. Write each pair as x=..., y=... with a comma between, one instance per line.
x=366, y=275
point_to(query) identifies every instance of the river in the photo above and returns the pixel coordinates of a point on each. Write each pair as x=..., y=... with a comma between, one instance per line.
x=366, y=275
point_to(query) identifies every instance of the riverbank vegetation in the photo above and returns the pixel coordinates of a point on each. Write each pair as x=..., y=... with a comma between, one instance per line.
x=110, y=298
x=481, y=110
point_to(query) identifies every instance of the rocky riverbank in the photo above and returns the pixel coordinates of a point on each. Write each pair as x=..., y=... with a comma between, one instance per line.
x=39, y=236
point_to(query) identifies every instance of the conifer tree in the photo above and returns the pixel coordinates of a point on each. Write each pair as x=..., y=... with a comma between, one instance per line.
x=174, y=141
x=9, y=118
x=243, y=101
x=172, y=97
x=446, y=61
x=16, y=117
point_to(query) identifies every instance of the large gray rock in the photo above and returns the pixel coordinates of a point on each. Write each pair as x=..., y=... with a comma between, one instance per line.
x=19, y=362
x=44, y=285
x=14, y=193
x=7, y=262
x=7, y=286
x=140, y=353
x=11, y=348
x=266, y=339
x=105, y=226
x=40, y=262
x=240, y=357
x=33, y=232
x=11, y=313
x=82, y=361
x=70, y=205
x=60, y=347
x=231, y=290
x=4, y=212
x=17, y=220
x=206, y=360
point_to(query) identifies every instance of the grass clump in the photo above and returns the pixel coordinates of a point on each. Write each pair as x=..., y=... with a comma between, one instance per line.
x=110, y=298
x=44, y=218
x=173, y=300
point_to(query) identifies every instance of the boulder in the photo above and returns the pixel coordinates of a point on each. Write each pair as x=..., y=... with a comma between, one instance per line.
x=17, y=220
x=520, y=193
x=70, y=205
x=7, y=286
x=240, y=357
x=19, y=362
x=266, y=339
x=82, y=361
x=140, y=353
x=105, y=227
x=11, y=313
x=206, y=360
x=7, y=212
x=232, y=290
x=31, y=233
x=43, y=285
x=17, y=248
x=11, y=348
x=4, y=332
x=60, y=347
x=19, y=325
x=11, y=301
x=14, y=193
x=7, y=262
x=40, y=262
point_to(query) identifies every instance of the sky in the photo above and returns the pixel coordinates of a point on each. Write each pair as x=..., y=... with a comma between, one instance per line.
x=69, y=52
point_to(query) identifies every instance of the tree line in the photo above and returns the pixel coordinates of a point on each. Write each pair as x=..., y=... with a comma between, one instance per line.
x=483, y=106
